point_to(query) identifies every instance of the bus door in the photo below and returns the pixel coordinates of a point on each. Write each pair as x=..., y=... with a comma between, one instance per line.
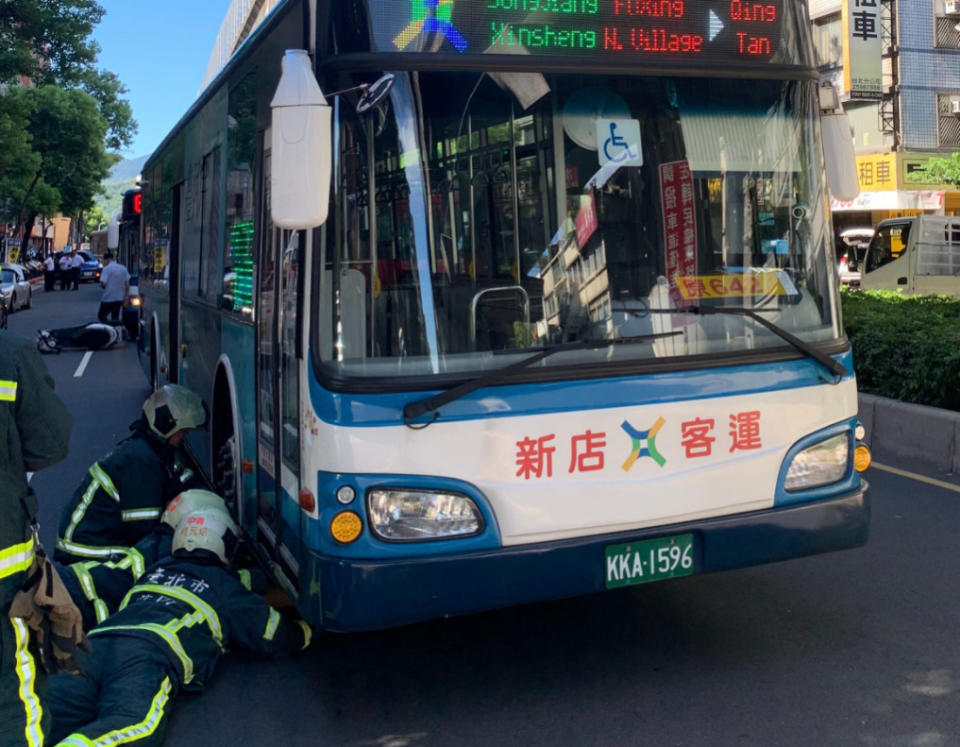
x=278, y=395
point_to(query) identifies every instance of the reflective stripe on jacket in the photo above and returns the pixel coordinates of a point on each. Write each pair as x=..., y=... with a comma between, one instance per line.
x=194, y=611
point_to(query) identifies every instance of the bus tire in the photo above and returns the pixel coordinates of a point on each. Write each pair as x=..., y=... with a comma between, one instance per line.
x=225, y=445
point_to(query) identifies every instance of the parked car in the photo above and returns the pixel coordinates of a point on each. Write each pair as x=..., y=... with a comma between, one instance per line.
x=15, y=288
x=851, y=250
x=90, y=271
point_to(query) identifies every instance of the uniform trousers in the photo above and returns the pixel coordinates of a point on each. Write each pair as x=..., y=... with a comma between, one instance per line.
x=22, y=713
x=123, y=696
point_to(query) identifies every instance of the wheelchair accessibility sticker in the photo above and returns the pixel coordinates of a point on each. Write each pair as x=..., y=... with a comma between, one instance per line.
x=618, y=141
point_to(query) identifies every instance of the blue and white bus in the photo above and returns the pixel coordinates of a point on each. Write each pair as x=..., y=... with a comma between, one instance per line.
x=569, y=318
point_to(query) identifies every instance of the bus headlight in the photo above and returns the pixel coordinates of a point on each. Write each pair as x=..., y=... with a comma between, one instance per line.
x=418, y=515
x=820, y=464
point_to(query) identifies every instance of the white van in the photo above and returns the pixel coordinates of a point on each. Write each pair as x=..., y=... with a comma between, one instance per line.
x=918, y=255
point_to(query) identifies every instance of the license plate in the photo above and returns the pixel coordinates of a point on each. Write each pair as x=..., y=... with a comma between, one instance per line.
x=648, y=560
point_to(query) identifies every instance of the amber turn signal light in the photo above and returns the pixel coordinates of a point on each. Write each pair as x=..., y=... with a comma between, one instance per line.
x=346, y=527
x=861, y=458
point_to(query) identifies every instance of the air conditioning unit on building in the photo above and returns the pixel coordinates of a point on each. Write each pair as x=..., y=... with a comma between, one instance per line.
x=955, y=106
x=951, y=7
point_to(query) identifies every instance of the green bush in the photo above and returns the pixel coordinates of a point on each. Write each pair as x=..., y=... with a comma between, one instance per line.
x=905, y=347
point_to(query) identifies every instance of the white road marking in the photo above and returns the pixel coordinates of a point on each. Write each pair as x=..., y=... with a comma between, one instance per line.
x=918, y=478
x=83, y=365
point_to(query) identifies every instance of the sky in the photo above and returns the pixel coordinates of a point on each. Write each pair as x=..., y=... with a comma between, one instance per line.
x=160, y=50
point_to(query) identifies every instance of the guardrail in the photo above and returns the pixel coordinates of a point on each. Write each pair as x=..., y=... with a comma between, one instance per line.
x=905, y=431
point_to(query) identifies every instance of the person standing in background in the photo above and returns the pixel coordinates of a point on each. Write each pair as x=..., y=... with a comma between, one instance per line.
x=64, y=264
x=115, y=281
x=76, y=262
x=49, y=273
x=34, y=433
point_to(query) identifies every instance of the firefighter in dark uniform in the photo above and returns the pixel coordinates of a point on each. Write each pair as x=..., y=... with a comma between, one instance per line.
x=34, y=433
x=169, y=633
x=98, y=586
x=121, y=497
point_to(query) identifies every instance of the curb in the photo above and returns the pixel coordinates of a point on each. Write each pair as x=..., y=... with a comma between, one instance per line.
x=915, y=432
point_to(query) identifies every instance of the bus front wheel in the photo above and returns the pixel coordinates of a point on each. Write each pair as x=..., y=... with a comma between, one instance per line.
x=225, y=447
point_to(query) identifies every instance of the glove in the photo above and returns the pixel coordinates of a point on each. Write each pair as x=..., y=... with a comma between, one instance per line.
x=46, y=607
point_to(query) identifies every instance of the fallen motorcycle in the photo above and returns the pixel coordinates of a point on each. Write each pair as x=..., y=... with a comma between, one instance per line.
x=93, y=336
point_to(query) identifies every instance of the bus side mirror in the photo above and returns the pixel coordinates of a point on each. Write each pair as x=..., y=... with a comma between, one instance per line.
x=839, y=156
x=301, y=143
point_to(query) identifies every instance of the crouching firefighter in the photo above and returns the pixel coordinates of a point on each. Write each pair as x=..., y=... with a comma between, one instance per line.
x=169, y=633
x=97, y=587
x=34, y=433
x=120, y=499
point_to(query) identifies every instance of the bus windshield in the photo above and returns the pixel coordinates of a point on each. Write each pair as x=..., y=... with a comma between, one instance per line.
x=484, y=214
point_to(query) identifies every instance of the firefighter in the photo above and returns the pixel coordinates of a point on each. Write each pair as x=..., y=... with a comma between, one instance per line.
x=121, y=497
x=169, y=633
x=98, y=586
x=34, y=433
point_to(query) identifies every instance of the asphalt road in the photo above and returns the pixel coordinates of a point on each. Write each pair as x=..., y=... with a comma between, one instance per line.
x=852, y=648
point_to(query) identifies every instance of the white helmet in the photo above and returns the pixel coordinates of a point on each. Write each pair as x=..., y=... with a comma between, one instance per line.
x=172, y=408
x=47, y=343
x=189, y=501
x=207, y=529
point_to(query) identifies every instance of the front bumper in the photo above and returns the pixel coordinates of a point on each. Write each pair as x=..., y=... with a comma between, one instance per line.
x=359, y=595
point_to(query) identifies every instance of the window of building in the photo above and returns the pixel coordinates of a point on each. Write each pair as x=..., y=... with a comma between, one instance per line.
x=828, y=40
x=948, y=120
x=946, y=24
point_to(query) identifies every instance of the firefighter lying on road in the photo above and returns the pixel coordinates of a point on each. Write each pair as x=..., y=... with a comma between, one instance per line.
x=168, y=634
x=98, y=587
x=121, y=497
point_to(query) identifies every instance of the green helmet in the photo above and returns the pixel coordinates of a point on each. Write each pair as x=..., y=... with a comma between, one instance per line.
x=208, y=529
x=189, y=501
x=172, y=408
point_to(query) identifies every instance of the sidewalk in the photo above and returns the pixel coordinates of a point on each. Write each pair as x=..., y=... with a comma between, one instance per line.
x=911, y=432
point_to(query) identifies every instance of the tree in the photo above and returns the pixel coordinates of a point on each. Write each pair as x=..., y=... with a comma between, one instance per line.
x=67, y=132
x=94, y=219
x=55, y=136
x=107, y=89
x=939, y=170
x=18, y=161
x=48, y=42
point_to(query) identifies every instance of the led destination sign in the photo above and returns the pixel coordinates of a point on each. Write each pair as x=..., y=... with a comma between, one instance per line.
x=710, y=31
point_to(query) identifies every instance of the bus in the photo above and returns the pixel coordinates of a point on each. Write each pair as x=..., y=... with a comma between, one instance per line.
x=123, y=239
x=519, y=300
x=128, y=234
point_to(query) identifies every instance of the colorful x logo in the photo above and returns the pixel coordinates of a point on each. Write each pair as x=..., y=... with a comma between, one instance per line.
x=430, y=17
x=644, y=443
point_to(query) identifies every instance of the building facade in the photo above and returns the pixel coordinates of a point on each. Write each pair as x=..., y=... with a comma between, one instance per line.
x=913, y=116
x=242, y=17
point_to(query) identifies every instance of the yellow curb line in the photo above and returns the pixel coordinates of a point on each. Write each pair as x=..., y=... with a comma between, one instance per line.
x=918, y=478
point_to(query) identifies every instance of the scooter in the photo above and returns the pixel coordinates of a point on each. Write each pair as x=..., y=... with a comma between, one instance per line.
x=93, y=336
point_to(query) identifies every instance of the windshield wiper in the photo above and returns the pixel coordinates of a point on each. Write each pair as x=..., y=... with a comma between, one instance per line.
x=835, y=367
x=413, y=410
